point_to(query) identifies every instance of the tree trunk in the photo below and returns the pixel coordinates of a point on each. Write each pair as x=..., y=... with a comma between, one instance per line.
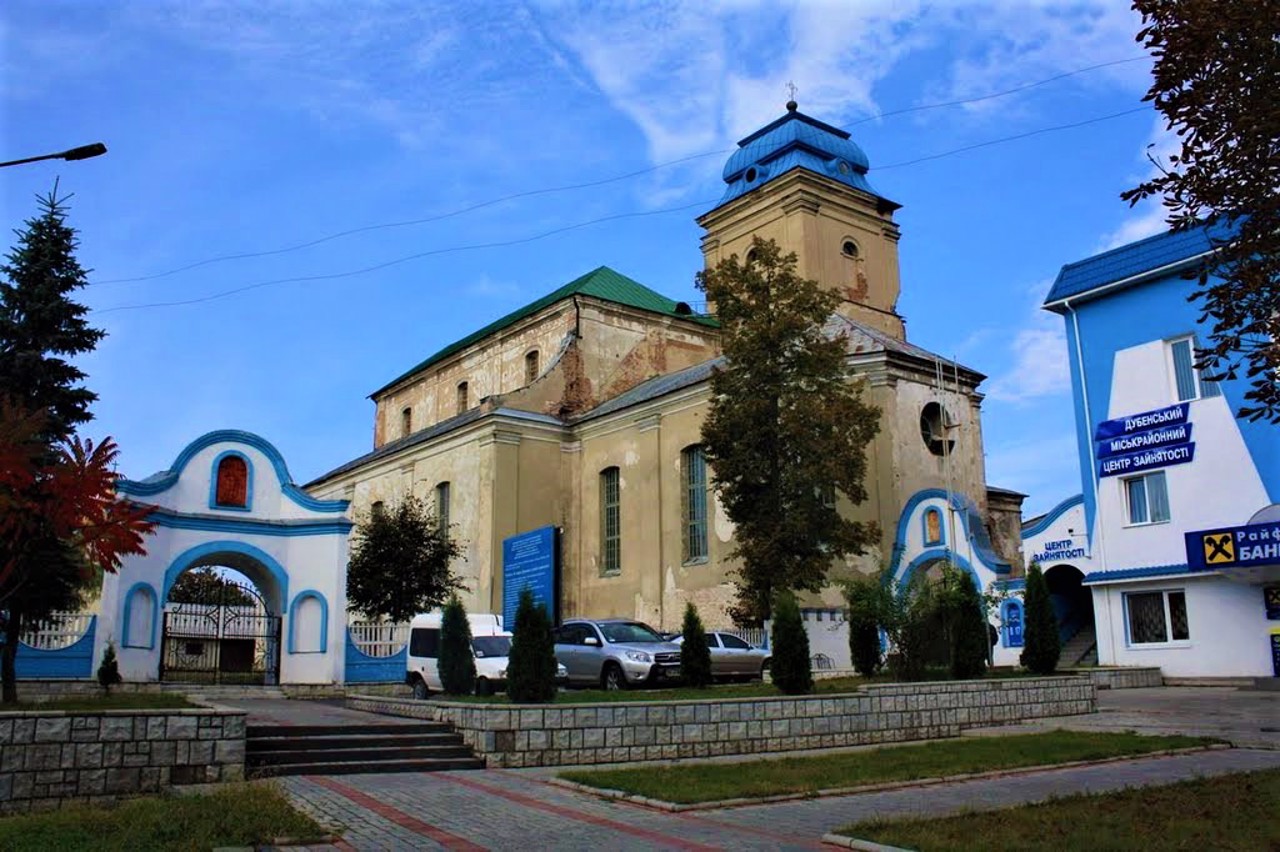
x=8, y=667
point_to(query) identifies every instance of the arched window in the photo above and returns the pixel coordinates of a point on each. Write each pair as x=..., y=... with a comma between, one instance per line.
x=1011, y=623
x=139, y=617
x=463, y=402
x=531, y=367
x=936, y=427
x=610, y=521
x=308, y=624
x=378, y=508
x=442, y=507
x=232, y=488
x=406, y=422
x=693, y=467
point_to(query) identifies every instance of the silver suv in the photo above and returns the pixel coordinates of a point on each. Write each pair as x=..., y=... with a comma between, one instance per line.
x=615, y=653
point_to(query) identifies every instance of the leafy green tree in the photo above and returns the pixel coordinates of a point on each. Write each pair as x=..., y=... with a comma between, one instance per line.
x=531, y=668
x=791, y=667
x=401, y=563
x=1214, y=80
x=867, y=605
x=457, y=664
x=207, y=586
x=967, y=627
x=109, y=669
x=908, y=616
x=1041, y=643
x=695, y=656
x=787, y=429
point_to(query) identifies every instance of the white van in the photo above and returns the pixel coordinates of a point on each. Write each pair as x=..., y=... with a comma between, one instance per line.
x=489, y=643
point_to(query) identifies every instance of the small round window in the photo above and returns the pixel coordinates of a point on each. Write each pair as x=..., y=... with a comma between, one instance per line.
x=843, y=168
x=849, y=249
x=935, y=429
x=752, y=174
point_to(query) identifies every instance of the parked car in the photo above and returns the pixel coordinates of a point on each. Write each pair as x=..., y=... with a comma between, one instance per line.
x=615, y=653
x=734, y=658
x=490, y=645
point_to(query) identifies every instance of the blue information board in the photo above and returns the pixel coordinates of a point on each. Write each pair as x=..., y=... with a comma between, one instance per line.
x=531, y=559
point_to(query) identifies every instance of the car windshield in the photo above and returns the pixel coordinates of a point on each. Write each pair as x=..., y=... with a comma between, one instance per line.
x=629, y=632
x=491, y=646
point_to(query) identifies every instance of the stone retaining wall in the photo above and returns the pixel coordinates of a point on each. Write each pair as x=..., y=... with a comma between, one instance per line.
x=565, y=734
x=49, y=757
x=41, y=690
x=1124, y=678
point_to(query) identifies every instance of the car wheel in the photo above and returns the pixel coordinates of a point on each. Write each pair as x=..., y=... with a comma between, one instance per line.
x=612, y=677
x=483, y=686
x=420, y=690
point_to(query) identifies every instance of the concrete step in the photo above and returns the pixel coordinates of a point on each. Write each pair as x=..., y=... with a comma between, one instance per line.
x=339, y=742
x=364, y=767
x=346, y=755
x=272, y=750
x=257, y=731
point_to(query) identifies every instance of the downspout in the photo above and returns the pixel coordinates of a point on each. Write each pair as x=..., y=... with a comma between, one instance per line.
x=1088, y=419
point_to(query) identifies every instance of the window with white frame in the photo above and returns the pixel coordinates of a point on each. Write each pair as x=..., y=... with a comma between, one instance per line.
x=1188, y=383
x=1146, y=498
x=1157, y=617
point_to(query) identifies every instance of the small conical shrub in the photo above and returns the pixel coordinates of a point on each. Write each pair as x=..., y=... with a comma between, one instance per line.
x=864, y=596
x=695, y=656
x=457, y=664
x=109, y=669
x=792, y=671
x=1042, y=646
x=969, y=636
x=531, y=669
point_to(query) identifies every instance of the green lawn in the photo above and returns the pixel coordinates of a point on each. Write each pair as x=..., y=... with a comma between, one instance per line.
x=114, y=701
x=711, y=782
x=1231, y=812
x=236, y=815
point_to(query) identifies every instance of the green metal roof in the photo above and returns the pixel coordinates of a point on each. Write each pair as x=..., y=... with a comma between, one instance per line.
x=601, y=283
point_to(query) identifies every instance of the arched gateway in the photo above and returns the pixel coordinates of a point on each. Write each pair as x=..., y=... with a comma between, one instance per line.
x=244, y=580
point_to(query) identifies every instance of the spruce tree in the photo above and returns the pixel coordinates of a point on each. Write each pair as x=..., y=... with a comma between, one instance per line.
x=1042, y=645
x=457, y=664
x=969, y=637
x=792, y=669
x=531, y=670
x=865, y=597
x=109, y=669
x=695, y=656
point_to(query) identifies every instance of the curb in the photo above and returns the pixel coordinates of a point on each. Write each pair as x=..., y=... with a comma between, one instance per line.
x=846, y=842
x=721, y=804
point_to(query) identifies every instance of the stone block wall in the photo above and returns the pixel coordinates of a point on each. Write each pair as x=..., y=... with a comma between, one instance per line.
x=566, y=734
x=51, y=757
x=1125, y=678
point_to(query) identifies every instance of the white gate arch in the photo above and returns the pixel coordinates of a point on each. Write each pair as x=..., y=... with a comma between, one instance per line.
x=228, y=501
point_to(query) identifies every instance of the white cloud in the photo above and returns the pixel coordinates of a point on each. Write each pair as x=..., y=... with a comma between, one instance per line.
x=1046, y=468
x=487, y=287
x=1148, y=217
x=1037, y=354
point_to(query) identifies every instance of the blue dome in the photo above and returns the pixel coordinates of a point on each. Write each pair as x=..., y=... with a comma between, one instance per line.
x=795, y=141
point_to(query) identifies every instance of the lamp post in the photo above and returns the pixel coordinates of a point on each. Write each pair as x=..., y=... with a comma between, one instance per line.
x=84, y=152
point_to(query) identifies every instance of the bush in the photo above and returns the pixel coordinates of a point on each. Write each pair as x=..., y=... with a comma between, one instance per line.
x=457, y=664
x=1042, y=646
x=531, y=670
x=865, y=597
x=695, y=656
x=791, y=667
x=968, y=627
x=109, y=669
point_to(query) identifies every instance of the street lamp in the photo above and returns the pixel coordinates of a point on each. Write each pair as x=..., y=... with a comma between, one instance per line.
x=84, y=152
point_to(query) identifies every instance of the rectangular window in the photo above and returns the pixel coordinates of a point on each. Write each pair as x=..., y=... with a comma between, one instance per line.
x=1147, y=499
x=442, y=507
x=406, y=421
x=1188, y=383
x=463, y=400
x=424, y=642
x=1157, y=617
x=610, y=522
x=695, y=504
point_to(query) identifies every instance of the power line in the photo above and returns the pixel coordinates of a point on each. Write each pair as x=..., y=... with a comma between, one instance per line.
x=396, y=261
x=586, y=185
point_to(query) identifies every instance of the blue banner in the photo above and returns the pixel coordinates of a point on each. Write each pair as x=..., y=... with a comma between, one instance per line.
x=1163, y=437
x=1171, y=416
x=1146, y=460
x=531, y=559
x=1234, y=547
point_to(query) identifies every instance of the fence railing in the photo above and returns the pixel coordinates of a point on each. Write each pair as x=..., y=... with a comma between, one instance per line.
x=59, y=630
x=379, y=639
x=757, y=636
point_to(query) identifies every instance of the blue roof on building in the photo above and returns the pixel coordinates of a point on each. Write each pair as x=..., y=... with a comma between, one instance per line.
x=1170, y=249
x=795, y=141
x=1146, y=571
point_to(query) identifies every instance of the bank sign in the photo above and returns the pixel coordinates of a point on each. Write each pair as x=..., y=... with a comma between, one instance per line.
x=1234, y=547
x=1145, y=441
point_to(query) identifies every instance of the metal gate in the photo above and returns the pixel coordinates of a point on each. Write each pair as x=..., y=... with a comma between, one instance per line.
x=217, y=630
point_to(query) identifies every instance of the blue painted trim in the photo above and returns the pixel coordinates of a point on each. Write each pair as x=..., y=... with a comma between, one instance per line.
x=246, y=526
x=324, y=622
x=1017, y=585
x=935, y=555
x=163, y=481
x=362, y=668
x=1137, y=573
x=962, y=504
x=74, y=661
x=126, y=641
x=213, y=483
x=192, y=557
x=924, y=526
x=1053, y=515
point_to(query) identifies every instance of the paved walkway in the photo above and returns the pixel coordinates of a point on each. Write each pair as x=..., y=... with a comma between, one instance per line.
x=286, y=711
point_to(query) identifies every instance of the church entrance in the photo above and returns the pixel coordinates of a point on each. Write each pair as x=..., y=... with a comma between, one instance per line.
x=218, y=629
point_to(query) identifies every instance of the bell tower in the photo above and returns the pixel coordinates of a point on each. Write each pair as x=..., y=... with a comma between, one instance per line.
x=803, y=183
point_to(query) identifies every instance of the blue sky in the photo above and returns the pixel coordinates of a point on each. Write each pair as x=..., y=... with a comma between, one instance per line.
x=242, y=128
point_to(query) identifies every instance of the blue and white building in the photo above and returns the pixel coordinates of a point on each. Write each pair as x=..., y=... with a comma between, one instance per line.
x=1176, y=533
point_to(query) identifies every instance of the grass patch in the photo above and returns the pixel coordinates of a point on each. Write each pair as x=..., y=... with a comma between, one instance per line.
x=235, y=815
x=1231, y=812
x=114, y=701
x=711, y=782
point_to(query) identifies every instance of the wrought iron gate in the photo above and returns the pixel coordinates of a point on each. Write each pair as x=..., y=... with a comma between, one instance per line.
x=219, y=631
